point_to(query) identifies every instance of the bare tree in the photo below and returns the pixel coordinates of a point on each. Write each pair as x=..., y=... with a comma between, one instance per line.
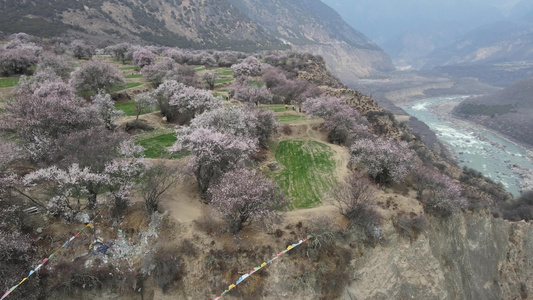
x=155, y=182
x=353, y=200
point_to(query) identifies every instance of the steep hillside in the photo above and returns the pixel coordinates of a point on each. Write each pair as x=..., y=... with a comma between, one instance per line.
x=503, y=41
x=201, y=23
x=306, y=25
x=312, y=26
x=508, y=111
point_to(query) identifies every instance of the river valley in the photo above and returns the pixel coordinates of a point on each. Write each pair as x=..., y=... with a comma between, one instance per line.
x=475, y=147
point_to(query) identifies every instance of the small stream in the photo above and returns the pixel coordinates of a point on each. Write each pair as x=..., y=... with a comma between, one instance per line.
x=474, y=147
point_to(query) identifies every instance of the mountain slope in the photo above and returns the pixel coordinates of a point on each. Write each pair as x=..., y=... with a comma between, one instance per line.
x=507, y=111
x=197, y=24
x=503, y=41
x=221, y=24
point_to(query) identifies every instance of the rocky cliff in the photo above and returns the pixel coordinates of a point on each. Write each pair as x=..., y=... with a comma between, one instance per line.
x=472, y=256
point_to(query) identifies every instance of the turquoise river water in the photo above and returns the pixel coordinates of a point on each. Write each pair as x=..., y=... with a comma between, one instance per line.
x=474, y=147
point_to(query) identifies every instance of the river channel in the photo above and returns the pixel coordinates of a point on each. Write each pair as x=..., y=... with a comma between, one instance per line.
x=497, y=158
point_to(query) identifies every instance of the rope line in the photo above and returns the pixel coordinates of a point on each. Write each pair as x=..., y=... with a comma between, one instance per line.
x=44, y=261
x=264, y=264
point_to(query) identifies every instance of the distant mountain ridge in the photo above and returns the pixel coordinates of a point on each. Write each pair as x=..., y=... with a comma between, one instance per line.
x=502, y=41
x=305, y=25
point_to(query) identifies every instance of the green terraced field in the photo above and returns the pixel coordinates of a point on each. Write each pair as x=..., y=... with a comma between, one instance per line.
x=8, y=81
x=128, y=108
x=134, y=76
x=291, y=118
x=277, y=107
x=128, y=85
x=307, y=173
x=223, y=80
x=157, y=146
x=224, y=72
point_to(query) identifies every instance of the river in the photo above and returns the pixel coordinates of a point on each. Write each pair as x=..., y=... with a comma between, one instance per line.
x=497, y=158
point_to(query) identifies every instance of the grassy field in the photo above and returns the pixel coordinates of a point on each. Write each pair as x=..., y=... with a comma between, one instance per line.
x=129, y=68
x=223, y=80
x=8, y=81
x=134, y=76
x=307, y=173
x=128, y=108
x=277, y=107
x=128, y=85
x=291, y=118
x=224, y=72
x=157, y=146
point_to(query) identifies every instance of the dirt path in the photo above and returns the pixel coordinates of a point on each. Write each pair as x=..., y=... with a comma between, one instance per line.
x=6, y=94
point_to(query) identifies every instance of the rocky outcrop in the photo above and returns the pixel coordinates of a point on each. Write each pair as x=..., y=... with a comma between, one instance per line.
x=471, y=256
x=312, y=26
x=347, y=62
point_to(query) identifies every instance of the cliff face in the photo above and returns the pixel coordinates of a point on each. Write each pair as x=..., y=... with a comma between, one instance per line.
x=466, y=257
x=312, y=26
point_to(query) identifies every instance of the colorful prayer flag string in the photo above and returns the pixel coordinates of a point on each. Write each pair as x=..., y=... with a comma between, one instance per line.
x=243, y=277
x=44, y=261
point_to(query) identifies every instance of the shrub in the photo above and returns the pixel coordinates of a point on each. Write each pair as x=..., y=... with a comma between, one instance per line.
x=167, y=269
x=16, y=254
x=286, y=129
x=410, y=225
x=520, y=209
x=353, y=200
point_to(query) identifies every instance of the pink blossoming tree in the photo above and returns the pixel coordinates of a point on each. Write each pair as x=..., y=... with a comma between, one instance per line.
x=143, y=57
x=97, y=75
x=243, y=196
x=440, y=194
x=385, y=159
